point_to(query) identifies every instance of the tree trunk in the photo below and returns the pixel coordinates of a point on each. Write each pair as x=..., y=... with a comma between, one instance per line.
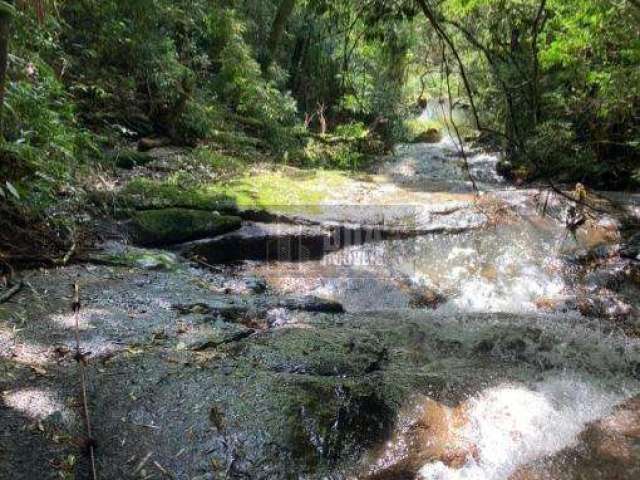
x=5, y=33
x=277, y=29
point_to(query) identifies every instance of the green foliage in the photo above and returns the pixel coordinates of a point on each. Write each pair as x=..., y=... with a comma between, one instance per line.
x=341, y=154
x=196, y=122
x=559, y=79
x=354, y=130
x=241, y=81
x=43, y=142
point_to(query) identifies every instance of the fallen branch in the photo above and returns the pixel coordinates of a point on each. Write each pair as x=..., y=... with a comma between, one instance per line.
x=68, y=255
x=141, y=464
x=6, y=296
x=578, y=201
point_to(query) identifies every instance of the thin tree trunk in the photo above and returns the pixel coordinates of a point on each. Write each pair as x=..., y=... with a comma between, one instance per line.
x=426, y=9
x=277, y=28
x=5, y=33
x=538, y=25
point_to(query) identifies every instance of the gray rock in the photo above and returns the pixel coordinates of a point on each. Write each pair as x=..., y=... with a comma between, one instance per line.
x=219, y=334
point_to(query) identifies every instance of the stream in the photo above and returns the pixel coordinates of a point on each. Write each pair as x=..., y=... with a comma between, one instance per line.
x=552, y=309
x=406, y=328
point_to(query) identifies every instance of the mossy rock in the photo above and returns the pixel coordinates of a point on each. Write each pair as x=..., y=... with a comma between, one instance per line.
x=431, y=135
x=144, y=194
x=137, y=257
x=176, y=225
x=328, y=421
x=323, y=353
x=127, y=159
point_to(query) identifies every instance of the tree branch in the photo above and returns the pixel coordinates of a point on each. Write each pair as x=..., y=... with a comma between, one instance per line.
x=426, y=9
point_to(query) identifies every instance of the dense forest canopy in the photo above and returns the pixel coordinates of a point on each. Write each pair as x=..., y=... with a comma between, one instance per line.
x=555, y=84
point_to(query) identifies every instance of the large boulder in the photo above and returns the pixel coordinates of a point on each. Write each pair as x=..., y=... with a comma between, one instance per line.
x=176, y=225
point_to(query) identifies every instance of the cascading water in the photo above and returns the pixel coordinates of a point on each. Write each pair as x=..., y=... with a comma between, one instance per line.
x=512, y=425
x=503, y=281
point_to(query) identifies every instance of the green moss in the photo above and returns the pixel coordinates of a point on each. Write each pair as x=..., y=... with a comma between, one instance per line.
x=416, y=126
x=143, y=194
x=138, y=257
x=431, y=135
x=342, y=153
x=175, y=225
x=323, y=353
x=276, y=191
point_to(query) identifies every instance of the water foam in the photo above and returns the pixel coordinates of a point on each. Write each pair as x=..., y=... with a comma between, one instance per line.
x=512, y=425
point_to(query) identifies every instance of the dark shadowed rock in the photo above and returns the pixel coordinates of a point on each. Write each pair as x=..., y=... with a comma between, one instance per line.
x=175, y=225
x=128, y=159
x=630, y=248
x=218, y=333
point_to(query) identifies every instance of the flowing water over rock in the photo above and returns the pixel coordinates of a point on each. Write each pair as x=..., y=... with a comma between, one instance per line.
x=407, y=328
x=513, y=284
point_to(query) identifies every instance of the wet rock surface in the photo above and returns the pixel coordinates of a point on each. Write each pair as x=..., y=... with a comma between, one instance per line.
x=445, y=349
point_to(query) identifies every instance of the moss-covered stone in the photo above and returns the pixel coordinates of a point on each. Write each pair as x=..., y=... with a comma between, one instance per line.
x=127, y=256
x=175, y=225
x=273, y=191
x=128, y=159
x=144, y=194
x=327, y=354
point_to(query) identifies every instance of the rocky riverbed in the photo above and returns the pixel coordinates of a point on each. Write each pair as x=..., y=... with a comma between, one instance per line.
x=403, y=327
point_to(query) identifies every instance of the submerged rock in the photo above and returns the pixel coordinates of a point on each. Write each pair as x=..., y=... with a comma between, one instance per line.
x=306, y=351
x=176, y=225
x=258, y=309
x=124, y=255
x=218, y=334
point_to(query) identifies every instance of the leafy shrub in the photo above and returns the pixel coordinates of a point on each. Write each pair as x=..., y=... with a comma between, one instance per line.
x=43, y=143
x=354, y=130
x=195, y=122
x=241, y=82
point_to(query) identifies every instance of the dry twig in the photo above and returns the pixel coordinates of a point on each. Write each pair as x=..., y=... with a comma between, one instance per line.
x=81, y=359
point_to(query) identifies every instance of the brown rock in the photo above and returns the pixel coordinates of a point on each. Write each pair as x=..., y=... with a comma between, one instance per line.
x=147, y=143
x=428, y=298
x=434, y=435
